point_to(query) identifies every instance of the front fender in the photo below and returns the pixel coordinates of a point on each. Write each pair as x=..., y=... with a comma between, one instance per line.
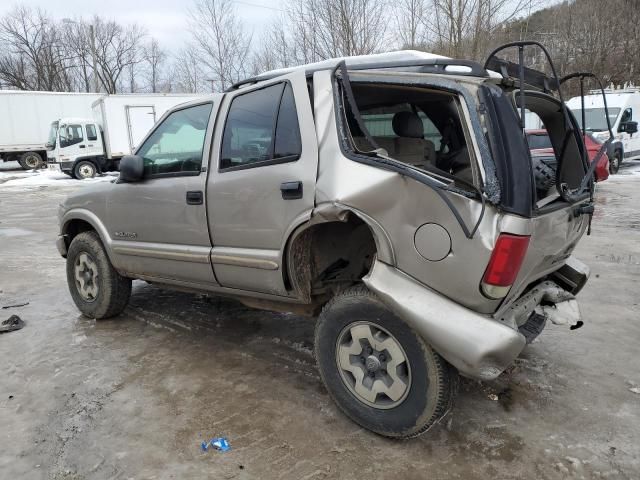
x=92, y=219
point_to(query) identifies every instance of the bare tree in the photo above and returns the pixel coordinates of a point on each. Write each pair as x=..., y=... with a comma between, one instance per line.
x=188, y=70
x=221, y=42
x=32, y=55
x=466, y=28
x=277, y=49
x=154, y=58
x=335, y=28
x=409, y=17
x=118, y=48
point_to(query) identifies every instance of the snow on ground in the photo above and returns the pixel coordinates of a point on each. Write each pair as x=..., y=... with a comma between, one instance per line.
x=16, y=177
x=629, y=170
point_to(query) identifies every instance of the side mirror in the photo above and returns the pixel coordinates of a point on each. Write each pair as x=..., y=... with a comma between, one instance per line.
x=131, y=169
x=629, y=127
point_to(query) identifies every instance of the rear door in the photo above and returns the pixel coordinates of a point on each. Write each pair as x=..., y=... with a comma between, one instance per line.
x=140, y=119
x=262, y=182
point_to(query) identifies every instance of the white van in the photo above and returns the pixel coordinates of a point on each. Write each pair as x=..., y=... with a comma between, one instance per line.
x=624, y=113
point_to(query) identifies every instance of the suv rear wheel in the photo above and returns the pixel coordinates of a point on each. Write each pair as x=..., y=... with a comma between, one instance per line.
x=378, y=370
x=96, y=288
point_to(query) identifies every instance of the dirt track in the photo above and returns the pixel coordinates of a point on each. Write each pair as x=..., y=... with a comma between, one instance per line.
x=133, y=397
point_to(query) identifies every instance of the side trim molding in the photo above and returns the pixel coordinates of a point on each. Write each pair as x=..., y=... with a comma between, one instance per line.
x=246, y=257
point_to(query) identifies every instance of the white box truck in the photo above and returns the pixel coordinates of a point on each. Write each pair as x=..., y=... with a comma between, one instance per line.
x=83, y=147
x=25, y=117
x=624, y=113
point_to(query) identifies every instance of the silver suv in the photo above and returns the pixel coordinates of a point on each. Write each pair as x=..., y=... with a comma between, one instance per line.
x=392, y=195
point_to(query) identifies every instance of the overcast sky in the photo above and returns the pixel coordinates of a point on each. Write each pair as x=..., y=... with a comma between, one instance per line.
x=166, y=20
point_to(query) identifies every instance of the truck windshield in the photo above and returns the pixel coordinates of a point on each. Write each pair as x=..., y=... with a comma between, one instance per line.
x=595, y=119
x=53, y=133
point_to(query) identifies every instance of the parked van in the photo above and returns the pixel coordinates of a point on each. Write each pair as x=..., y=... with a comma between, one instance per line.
x=624, y=113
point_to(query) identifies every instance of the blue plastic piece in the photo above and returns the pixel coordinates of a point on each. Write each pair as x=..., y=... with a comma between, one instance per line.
x=219, y=443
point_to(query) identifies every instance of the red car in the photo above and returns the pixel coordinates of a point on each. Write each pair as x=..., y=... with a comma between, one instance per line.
x=541, y=147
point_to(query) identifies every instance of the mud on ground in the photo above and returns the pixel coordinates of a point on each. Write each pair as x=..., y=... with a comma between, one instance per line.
x=133, y=397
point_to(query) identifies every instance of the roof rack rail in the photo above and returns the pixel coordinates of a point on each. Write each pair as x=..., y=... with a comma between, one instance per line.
x=435, y=65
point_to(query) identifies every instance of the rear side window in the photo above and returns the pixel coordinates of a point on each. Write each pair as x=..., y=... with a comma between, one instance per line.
x=262, y=129
x=91, y=132
x=176, y=145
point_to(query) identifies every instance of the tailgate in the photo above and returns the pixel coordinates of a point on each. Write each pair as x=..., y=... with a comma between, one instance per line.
x=554, y=236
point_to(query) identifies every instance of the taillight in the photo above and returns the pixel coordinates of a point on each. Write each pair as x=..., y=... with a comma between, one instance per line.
x=504, y=264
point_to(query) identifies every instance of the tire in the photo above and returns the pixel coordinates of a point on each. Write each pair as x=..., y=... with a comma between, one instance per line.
x=431, y=382
x=96, y=288
x=30, y=161
x=614, y=163
x=85, y=169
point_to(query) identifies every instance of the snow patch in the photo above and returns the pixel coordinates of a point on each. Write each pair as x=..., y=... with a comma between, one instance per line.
x=31, y=178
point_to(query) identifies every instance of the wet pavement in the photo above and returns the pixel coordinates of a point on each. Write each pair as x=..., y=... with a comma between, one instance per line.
x=133, y=397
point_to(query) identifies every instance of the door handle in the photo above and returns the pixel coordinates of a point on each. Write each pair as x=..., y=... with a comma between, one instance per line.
x=194, y=197
x=82, y=146
x=291, y=190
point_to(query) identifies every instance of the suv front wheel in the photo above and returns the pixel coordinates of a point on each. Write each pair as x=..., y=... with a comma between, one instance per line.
x=96, y=288
x=378, y=370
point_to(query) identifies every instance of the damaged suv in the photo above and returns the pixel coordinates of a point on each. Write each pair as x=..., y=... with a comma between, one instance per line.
x=393, y=195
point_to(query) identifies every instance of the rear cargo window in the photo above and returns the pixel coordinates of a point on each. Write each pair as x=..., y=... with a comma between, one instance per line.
x=416, y=126
x=545, y=114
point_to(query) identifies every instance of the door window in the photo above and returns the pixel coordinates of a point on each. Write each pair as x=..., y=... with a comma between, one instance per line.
x=70, y=135
x=176, y=145
x=262, y=129
x=91, y=132
x=627, y=116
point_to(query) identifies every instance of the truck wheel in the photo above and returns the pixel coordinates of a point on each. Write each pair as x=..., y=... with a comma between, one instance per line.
x=96, y=288
x=614, y=163
x=378, y=370
x=85, y=169
x=30, y=160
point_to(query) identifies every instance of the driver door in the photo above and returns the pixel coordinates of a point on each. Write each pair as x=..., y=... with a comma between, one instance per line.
x=159, y=224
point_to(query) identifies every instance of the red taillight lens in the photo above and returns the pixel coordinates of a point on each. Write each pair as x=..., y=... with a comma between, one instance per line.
x=504, y=264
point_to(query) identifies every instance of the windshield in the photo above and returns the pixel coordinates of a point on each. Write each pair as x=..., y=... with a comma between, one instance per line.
x=53, y=133
x=595, y=119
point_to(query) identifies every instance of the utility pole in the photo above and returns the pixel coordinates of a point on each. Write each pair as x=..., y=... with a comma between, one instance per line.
x=92, y=34
x=92, y=40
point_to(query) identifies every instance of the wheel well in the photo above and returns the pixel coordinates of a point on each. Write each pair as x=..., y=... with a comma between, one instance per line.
x=74, y=227
x=326, y=258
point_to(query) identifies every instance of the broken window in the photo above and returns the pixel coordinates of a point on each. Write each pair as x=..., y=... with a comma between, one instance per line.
x=417, y=126
x=545, y=112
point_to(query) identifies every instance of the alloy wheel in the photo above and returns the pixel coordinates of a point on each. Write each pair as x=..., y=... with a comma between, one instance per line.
x=373, y=365
x=86, y=276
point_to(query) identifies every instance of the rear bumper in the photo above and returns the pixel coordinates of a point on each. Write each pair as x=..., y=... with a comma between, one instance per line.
x=479, y=346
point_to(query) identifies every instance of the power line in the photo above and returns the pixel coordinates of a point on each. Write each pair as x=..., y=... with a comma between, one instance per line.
x=258, y=6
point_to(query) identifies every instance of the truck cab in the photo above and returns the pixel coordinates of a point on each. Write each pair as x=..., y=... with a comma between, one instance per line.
x=76, y=147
